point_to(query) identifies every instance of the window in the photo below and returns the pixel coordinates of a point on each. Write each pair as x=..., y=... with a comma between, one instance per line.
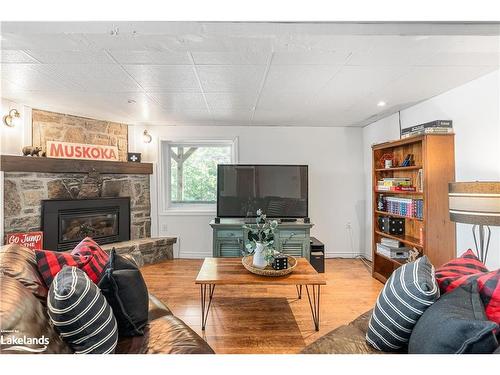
x=190, y=176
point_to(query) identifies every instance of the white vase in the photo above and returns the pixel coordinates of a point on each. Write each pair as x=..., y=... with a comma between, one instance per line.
x=259, y=261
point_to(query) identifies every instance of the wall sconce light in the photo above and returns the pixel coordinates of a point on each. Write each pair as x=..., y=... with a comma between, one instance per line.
x=146, y=137
x=13, y=118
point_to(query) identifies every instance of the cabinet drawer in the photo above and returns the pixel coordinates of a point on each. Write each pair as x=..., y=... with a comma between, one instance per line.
x=291, y=233
x=230, y=233
x=229, y=248
x=293, y=248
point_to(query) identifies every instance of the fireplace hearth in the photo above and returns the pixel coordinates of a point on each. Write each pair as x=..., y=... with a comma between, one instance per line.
x=65, y=222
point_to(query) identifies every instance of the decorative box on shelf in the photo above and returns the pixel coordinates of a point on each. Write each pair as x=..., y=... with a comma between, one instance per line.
x=280, y=262
x=391, y=225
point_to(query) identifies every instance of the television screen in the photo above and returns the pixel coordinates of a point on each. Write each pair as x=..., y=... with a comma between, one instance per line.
x=279, y=190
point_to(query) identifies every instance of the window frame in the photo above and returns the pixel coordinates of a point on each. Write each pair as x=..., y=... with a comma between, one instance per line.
x=167, y=207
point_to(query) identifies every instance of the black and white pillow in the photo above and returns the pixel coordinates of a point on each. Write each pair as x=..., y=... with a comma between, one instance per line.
x=410, y=290
x=81, y=314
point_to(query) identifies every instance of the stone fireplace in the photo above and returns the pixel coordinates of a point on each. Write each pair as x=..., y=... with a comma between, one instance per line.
x=24, y=192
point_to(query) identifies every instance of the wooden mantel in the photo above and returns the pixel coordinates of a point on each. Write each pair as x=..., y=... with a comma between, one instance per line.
x=10, y=163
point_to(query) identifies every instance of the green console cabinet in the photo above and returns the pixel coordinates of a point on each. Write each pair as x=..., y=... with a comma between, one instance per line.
x=229, y=238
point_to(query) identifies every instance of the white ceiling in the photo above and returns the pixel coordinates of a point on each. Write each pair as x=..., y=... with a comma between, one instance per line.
x=195, y=73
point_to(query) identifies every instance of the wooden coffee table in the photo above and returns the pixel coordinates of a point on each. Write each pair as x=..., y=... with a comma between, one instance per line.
x=230, y=271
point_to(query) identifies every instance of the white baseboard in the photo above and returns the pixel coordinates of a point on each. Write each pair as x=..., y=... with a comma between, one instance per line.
x=193, y=255
x=342, y=255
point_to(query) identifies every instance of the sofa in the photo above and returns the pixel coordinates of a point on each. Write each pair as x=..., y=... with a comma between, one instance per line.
x=23, y=313
x=349, y=339
x=346, y=339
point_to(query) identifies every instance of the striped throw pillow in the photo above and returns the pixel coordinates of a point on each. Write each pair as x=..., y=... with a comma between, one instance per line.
x=81, y=314
x=410, y=290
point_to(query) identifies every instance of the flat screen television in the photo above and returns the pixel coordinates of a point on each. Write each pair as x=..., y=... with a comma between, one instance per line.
x=281, y=191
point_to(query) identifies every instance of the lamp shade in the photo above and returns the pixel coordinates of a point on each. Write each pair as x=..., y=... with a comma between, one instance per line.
x=475, y=202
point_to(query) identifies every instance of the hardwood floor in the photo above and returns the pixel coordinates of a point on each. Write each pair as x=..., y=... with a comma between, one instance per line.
x=263, y=319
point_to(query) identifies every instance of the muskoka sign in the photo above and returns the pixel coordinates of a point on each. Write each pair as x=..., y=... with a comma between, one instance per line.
x=66, y=150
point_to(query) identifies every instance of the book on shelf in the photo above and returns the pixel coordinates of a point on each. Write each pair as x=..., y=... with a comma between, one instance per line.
x=396, y=188
x=408, y=207
x=395, y=183
x=420, y=180
x=393, y=252
x=428, y=131
x=429, y=125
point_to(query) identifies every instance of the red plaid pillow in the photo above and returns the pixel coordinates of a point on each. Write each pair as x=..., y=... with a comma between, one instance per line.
x=459, y=271
x=489, y=289
x=469, y=269
x=87, y=256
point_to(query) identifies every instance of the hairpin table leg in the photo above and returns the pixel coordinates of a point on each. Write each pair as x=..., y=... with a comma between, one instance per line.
x=299, y=291
x=314, y=303
x=207, y=292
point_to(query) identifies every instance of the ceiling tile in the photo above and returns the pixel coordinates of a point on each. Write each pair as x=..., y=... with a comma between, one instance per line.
x=231, y=100
x=281, y=117
x=167, y=78
x=91, y=77
x=297, y=77
x=40, y=40
x=462, y=59
x=190, y=116
x=16, y=56
x=270, y=100
x=151, y=57
x=30, y=77
x=230, y=78
x=310, y=58
x=70, y=57
x=231, y=116
x=179, y=101
x=230, y=58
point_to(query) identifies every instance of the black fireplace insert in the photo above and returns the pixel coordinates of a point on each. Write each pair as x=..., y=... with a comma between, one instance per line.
x=65, y=222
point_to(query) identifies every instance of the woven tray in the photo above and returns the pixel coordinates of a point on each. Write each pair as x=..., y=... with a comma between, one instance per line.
x=268, y=271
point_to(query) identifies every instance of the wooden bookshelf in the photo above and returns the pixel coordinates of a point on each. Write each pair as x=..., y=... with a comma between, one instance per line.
x=434, y=155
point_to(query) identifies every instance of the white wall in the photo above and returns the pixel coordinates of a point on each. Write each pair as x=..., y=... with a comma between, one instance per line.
x=13, y=139
x=334, y=156
x=474, y=109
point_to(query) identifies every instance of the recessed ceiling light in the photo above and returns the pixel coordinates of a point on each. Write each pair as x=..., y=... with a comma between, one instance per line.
x=381, y=103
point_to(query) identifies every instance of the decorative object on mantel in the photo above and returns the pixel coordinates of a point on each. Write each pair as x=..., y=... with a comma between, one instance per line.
x=476, y=203
x=13, y=118
x=32, y=151
x=269, y=271
x=261, y=237
x=67, y=150
x=32, y=240
x=134, y=157
x=146, y=137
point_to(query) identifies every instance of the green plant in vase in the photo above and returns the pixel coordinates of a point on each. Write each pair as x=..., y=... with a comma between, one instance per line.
x=261, y=237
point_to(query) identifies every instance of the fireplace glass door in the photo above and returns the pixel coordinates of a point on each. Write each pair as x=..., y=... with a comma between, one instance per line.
x=75, y=227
